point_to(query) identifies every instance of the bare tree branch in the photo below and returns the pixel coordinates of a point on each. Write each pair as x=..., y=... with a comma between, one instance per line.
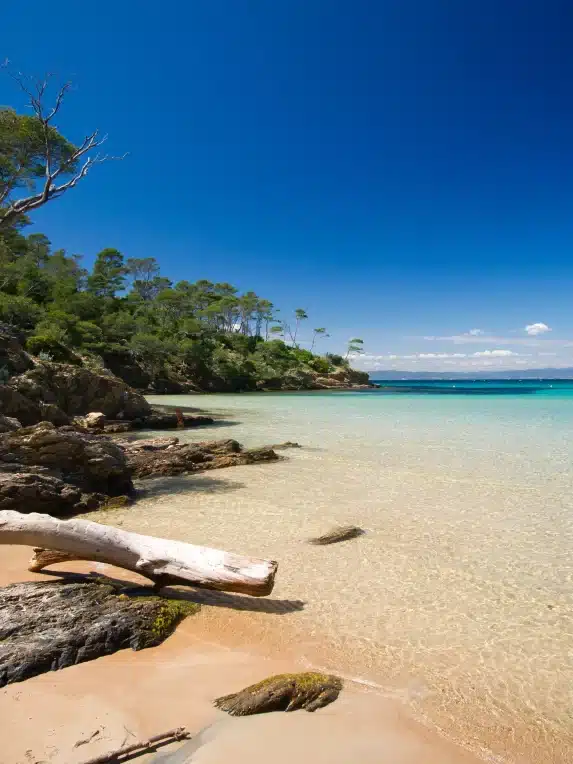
x=53, y=168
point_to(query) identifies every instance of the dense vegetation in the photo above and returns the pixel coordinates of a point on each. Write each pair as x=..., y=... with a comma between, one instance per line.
x=126, y=316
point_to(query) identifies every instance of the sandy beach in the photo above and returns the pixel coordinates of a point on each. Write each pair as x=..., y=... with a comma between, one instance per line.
x=448, y=620
x=129, y=696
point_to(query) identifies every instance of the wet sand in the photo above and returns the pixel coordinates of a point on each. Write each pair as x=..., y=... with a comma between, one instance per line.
x=131, y=696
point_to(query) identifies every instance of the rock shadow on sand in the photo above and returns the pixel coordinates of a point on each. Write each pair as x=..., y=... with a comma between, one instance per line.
x=206, y=597
x=181, y=484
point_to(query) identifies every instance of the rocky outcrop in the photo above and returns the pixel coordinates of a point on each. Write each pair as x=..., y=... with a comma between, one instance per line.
x=33, y=492
x=343, y=378
x=54, y=414
x=13, y=359
x=78, y=391
x=90, y=462
x=59, y=471
x=176, y=459
x=8, y=424
x=14, y=404
x=46, y=626
x=147, y=444
x=164, y=421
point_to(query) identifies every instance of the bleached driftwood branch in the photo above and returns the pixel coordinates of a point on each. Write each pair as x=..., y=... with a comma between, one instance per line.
x=161, y=560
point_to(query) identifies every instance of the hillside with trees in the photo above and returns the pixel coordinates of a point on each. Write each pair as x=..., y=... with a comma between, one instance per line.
x=158, y=336
x=124, y=315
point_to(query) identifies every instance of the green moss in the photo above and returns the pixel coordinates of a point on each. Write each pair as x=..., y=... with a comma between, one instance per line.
x=169, y=614
x=116, y=502
x=308, y=681
x=160, y=618
x=283, y=692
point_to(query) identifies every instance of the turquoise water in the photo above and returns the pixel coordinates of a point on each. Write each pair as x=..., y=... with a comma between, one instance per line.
x=459, y=598
x=542, y=387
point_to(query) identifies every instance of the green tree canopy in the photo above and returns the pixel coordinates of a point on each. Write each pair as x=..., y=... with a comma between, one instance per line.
x=37, y=162
x=108, y=275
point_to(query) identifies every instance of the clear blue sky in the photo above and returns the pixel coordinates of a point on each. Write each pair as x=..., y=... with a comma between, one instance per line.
x=400, y=168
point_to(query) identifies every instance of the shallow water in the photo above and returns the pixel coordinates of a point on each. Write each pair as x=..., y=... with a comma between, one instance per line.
x=459, y=597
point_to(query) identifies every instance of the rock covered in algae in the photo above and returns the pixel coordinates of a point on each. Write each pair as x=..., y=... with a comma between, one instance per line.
x=46, y=626
x=343, y=533
x=283, y=692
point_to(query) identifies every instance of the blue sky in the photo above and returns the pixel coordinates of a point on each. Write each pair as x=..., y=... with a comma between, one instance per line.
x=403, y=169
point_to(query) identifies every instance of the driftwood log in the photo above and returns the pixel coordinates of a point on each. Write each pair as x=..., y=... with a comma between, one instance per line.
x=161, y=560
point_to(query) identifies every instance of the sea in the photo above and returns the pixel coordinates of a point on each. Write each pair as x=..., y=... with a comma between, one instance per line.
x=458, y=599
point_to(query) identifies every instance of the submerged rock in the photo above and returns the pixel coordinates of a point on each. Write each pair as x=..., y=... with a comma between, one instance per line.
x=283, y=692
x=53, y=625
x=179, y=458
x=342, y=533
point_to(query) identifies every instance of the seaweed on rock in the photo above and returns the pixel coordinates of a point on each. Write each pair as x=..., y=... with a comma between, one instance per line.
x=283, y=692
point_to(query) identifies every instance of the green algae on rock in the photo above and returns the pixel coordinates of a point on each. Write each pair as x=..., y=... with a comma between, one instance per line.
x=283, y=692
x=53, y=625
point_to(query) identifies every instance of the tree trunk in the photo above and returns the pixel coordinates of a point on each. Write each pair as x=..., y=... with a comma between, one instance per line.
x=161, y=560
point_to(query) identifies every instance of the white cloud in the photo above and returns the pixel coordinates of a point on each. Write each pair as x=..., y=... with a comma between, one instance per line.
x=535, y=329
x=494, y=354
x=475, y=332
x=487, y=339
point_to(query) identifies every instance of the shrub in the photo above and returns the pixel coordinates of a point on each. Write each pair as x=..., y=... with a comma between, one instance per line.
x=336, y=360
x=20, y=312
x=47, y=345
x=321, y=365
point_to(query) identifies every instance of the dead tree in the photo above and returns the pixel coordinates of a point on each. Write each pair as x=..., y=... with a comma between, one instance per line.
x=39, y=157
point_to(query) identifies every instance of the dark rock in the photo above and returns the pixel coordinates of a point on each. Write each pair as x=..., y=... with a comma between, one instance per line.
x=50, y=626
x=91, y=462
x=8, y=423
x=192, y=457
x=161, y=421
x=13, y=467
x=30, y=492
x=12, y=357
x=283, y=692
x=14, y=404
x=77, y=391
x=117, y=427
x=123, y=365
x=147, y=444
x=285, y=445
x=54, y=414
